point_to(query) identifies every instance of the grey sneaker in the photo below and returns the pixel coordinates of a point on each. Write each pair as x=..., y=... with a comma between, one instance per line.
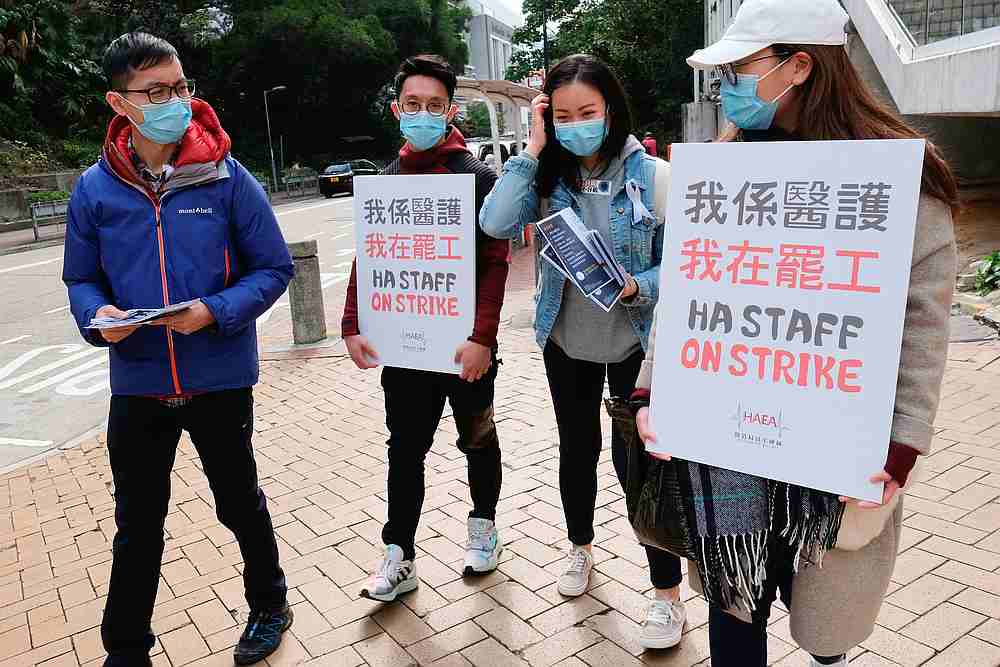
x=393, y=578
x=663, y=625
x=575, y=578
x=483, y=549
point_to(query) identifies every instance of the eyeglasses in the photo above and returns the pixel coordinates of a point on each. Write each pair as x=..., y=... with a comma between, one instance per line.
x=161, y=94
x=413, y=107
x=728, y=71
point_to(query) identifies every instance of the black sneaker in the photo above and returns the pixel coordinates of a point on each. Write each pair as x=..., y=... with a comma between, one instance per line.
x=262, y=636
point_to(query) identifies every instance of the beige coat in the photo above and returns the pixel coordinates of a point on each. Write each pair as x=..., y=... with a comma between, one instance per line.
x=834, y=607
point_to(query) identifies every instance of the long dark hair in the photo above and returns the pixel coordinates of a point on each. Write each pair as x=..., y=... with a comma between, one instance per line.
x=556, y=163
x=836, y=104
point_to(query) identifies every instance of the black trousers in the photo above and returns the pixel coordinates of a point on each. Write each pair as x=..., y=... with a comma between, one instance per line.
x=735, y=643
x=142, y=442
x=414, y=404
x=577, y=388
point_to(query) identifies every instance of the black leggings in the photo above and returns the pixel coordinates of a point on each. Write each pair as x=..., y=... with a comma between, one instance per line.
x=577, y=388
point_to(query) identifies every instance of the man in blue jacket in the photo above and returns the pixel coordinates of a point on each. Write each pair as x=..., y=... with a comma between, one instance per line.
x=165, y=216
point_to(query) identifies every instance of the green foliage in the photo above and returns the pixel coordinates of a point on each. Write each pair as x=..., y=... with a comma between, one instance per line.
x=78, y=153
x=477, y=121
x=988, y=274
x=47, y=195
x=645, y=41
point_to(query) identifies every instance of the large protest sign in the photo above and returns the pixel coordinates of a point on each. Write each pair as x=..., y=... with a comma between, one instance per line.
x=783, y=292
x=416, y=252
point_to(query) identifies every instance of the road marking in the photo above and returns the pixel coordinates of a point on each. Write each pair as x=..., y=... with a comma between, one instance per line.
x=56, y=310
x=340, y=236
x=17, y=442
x=306, y=208
x=345, y=252
x=14, y=340
x=28, y=356
x=65, y=375
x=312, y=236
x=342, y=264
x=326, y=280
x=28, y=266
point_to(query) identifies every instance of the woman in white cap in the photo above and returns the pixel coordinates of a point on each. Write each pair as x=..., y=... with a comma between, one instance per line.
x=786, y=76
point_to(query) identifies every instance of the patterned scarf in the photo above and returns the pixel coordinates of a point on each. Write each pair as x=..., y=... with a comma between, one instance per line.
x=722, y=520
x=734, y=517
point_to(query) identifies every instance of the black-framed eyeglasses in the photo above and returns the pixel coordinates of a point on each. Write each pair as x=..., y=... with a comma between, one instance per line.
x=413, y=107
x=729, y=73
x=184, y=89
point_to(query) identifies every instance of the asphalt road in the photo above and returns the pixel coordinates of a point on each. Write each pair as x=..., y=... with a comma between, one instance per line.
x=54, y=387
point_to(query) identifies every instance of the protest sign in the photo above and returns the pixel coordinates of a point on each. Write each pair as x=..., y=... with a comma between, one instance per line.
x=782, y=296
x=416, y=254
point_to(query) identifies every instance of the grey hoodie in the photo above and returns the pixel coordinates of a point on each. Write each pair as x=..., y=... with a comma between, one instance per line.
x=582, y=329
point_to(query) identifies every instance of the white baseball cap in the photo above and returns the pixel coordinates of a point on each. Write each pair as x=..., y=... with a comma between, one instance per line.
x=761, y=23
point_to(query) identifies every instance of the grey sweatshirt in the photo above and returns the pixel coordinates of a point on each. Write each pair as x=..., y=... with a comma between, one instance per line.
x=582, y=329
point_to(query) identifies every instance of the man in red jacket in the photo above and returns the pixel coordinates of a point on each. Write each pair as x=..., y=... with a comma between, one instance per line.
x=414, y=400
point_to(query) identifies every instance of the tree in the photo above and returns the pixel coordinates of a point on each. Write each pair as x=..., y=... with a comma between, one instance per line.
x=646, y=42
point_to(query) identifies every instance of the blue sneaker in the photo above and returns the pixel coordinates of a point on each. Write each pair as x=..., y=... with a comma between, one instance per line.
x=483, y=549
x=262, y=636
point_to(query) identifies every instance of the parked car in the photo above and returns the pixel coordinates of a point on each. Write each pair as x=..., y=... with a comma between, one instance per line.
x=339, y=178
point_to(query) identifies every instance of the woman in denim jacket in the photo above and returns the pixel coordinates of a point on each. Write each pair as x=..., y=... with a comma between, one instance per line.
x=582, y=155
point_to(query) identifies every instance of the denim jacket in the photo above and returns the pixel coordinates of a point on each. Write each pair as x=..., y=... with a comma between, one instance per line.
x=637, y=245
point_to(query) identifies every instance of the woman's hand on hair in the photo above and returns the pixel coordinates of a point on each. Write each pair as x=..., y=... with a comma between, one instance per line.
x=537, y=140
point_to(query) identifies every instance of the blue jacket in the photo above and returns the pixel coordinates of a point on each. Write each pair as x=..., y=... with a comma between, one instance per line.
x=638, y=245
x=211, y=236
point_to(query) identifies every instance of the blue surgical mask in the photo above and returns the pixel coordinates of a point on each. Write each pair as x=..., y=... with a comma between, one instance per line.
x=422, y=130
x=164, y=123
x=744, y=107
x=583, y=138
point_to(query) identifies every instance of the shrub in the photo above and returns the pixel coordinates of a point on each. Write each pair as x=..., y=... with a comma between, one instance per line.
x=988, y=273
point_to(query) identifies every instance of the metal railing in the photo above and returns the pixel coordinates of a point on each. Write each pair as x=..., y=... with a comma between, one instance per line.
x=47, y=211
x=930, y=21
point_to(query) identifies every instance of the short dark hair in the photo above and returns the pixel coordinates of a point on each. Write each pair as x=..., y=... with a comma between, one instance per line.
x=427, y=65
x=134, y=51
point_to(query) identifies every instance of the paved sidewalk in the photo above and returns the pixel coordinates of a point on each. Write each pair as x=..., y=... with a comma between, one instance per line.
x=320, y=448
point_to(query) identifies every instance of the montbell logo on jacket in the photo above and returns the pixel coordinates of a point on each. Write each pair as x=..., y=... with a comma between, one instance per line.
x=209, y=235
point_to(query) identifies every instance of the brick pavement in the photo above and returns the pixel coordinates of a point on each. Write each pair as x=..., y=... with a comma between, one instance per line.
x=320, y=448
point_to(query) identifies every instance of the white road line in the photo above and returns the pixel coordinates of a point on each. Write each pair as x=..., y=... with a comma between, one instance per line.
x=28, y=266
x=312, y=236
x=17, y=442
x=340, y=236
x=342, y=264
x=14, y=340
x=56, y=310
x=345, y=252
x=306, y=208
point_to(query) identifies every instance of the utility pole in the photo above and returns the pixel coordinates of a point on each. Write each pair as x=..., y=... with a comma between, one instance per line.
x=270, y=144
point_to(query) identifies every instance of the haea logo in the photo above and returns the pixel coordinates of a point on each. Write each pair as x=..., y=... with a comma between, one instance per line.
x=413, y=340
x=196, y=211
x=759, y=427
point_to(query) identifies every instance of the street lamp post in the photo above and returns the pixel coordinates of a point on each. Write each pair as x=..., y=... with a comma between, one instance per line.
x=270, y=145
x=545, y=34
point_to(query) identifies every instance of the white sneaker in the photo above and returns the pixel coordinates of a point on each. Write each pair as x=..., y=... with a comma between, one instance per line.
x=575, y=579
x=663, y=625
x=393, y=578
x=483, y=549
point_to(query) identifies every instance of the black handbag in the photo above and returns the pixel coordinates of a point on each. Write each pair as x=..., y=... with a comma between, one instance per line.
x=653, y=492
